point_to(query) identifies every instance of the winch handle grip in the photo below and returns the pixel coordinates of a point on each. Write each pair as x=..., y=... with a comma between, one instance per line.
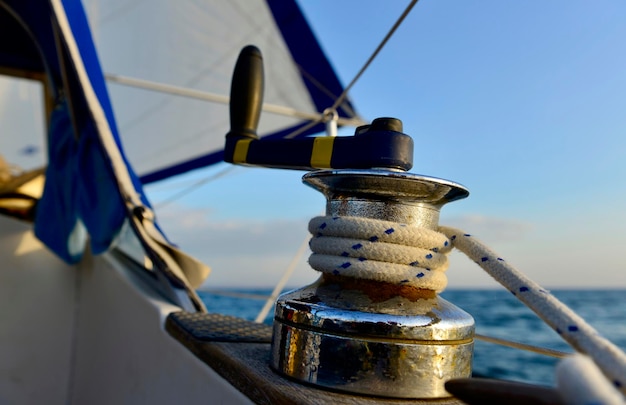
x=246, y=94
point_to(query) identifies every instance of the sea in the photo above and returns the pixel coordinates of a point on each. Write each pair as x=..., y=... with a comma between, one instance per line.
x=498, y=314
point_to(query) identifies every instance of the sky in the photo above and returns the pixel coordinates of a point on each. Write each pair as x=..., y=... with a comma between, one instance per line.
x=521, y=102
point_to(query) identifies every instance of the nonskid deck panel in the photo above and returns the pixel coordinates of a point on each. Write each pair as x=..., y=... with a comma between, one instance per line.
x=220, y=328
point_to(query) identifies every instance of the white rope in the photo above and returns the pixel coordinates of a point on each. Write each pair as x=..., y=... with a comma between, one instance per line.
x=379, y=250
x=572, y=328
x=402, y=254
x=580, y=382
x=522, y=346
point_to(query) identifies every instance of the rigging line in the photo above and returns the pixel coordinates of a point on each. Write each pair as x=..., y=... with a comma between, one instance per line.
x=161, y=187
x=345, y=105
x=522, y=346
x=373, y=56
x=281, y=283
x=217, y=98
x=304, y=128
x=194, y=186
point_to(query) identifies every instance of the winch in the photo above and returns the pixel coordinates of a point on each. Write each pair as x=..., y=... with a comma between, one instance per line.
x=368, y=336
x=373, y=322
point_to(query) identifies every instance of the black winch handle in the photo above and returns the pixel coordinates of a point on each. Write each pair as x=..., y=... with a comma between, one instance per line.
x=246, y=94
x=379, y=145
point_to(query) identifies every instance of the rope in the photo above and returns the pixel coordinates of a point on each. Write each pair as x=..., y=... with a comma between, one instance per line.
x=217, y=98
x=342, y=97
x=581, y=383
x=396, y=253
x=196, y=185
x=271, y=300
x=522, y=346
x=380, y=46
x=379, y=250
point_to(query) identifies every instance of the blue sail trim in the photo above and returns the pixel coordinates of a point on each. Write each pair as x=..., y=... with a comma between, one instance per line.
x=309, y=56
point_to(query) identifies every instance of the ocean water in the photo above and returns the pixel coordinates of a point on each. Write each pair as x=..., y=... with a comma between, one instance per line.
x=498, y=314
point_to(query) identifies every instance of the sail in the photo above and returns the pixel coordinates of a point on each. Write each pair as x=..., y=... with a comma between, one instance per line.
x=91, y=189
x=194, y=44
x=191, y=44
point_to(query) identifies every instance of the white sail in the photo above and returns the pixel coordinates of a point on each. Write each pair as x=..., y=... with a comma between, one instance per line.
x=194, y=45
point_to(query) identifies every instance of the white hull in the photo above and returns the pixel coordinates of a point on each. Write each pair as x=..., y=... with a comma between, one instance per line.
x=89, y=334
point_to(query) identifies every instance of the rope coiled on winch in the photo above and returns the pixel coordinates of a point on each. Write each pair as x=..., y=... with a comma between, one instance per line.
x=372, y=249
x=379, y=250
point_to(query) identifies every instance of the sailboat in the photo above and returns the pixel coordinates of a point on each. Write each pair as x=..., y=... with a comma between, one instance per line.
x=98, y=306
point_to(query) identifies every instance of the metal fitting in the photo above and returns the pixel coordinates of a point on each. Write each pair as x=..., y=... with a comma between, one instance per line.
x=371, y=337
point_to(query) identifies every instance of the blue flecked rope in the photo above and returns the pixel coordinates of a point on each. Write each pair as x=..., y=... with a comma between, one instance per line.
x=379, y=250
x=363, y=248
x=572, y=328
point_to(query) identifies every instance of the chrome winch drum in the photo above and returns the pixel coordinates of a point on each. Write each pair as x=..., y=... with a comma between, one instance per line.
x=358, y=337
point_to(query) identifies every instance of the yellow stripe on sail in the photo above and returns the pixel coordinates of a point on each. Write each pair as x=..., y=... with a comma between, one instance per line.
x=241, y=150
x=322, y=152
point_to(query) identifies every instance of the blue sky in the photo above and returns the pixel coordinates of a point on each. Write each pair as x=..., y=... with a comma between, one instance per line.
x=522, y=102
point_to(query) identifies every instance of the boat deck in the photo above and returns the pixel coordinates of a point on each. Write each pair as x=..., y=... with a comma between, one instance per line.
x=239, y=351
